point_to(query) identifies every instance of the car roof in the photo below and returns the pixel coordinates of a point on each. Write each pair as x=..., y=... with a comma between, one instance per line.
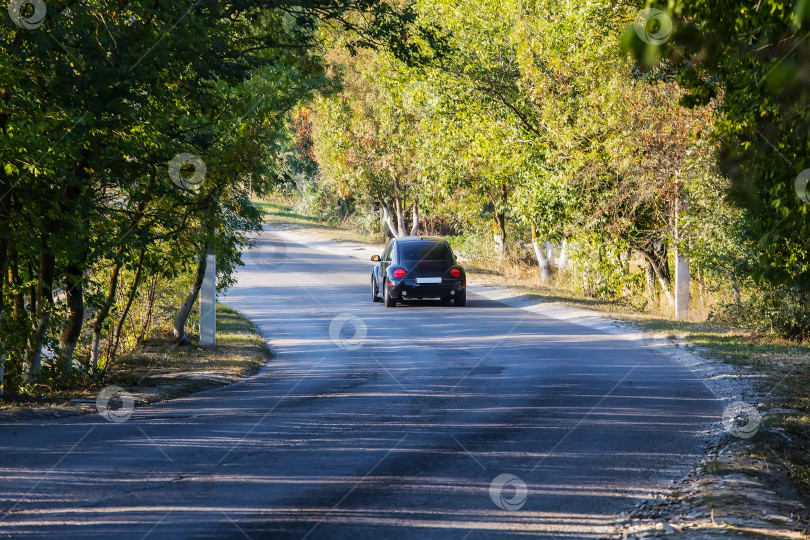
x=413, y=239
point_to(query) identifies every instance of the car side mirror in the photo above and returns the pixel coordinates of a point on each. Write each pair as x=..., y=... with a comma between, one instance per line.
x=375, y=258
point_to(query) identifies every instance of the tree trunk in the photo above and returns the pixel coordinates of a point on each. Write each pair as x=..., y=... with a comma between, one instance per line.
x=661, y=260
x=415, y=225
x=75, y=318
x=498, y=232
x=104, y=310
x=102, y=314
x=150, y=303
x=649, y=274
x=32, y=290
x=400, y=216
x=74, y=292
x=385, y=227
x=562, y=261
x=499, y=221
x=133, y=291
x=663, y=279
x=14, y=281
x=542, y=260
x=389, y=221
x=47, y=264
x=3, y=251
x=179, y=327
x=398, y=208
x=735, y=289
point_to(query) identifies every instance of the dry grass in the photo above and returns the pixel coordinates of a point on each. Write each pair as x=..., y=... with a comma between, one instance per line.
x=240, y=351
x=159, y=369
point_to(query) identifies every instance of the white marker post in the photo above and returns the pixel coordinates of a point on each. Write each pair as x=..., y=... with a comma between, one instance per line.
x=681, y=271
x=208, y=304
x=681, y=286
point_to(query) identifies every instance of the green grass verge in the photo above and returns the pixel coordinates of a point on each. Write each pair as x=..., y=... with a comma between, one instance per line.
x=282, y=215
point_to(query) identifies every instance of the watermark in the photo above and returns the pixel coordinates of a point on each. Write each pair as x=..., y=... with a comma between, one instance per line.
x=741, y=420
x=28, y=14
x=183, y=180
x=499, y=485
x=269, y=256
x=115, y=404
x=419, y=97
x=653, y=26
x=348, y=331
x=801, y=185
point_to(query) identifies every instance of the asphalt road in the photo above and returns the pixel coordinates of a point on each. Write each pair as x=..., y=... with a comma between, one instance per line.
x=371, y=423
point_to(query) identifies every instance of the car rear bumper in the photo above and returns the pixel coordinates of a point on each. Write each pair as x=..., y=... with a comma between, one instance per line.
x=410, y=289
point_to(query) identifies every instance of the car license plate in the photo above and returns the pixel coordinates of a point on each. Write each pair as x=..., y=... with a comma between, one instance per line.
x=428, y=280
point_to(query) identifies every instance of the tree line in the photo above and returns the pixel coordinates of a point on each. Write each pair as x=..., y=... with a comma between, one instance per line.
x=131, y=135
x=625, y=131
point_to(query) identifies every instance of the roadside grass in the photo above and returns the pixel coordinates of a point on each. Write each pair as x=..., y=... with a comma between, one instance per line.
x=158, y=369
x=280, y=213
x=159, y=363
x=781, y=368
x=277, y=213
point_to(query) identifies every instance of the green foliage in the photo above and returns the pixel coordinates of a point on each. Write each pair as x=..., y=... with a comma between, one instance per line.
x=754, y=56
x=781, y=310
x=94, y=105
x=534, y=115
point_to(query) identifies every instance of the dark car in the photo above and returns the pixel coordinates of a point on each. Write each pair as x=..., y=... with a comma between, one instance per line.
x=418, y=267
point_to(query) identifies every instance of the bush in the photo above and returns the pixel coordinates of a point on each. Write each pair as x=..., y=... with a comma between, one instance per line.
x=474, y=248
x=307, y=200
x=366, y=220
x=783, y=311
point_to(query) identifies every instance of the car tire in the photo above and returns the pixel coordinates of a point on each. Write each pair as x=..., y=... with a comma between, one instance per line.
x=389, y=302
x=374, y=297
x=460, y=299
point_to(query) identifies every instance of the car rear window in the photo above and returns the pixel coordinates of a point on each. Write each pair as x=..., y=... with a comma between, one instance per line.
x=424, y=251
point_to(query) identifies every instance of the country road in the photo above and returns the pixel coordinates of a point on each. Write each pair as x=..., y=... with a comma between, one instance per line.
x=371, y=423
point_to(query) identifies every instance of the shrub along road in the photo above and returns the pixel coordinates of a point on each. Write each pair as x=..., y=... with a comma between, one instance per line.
x=372, y=422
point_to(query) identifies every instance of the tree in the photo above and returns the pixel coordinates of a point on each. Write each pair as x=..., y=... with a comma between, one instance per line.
x=93, y=106
x=752, y=58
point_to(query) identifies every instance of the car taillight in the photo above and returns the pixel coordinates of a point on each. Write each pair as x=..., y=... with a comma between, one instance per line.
x=455, y=272
x=399, y=272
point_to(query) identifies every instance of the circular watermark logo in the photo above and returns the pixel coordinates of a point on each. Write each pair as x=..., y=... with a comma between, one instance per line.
x=801, y=185
x=28, y=14
x=419, y=97
x=179, y=169
x=741, y=420
x=498, y=492
x=348, y=331
x=115, y=404
x=653, y=26
x=269, y=255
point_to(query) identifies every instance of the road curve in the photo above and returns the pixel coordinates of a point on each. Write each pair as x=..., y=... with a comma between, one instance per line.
x=371, y=423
